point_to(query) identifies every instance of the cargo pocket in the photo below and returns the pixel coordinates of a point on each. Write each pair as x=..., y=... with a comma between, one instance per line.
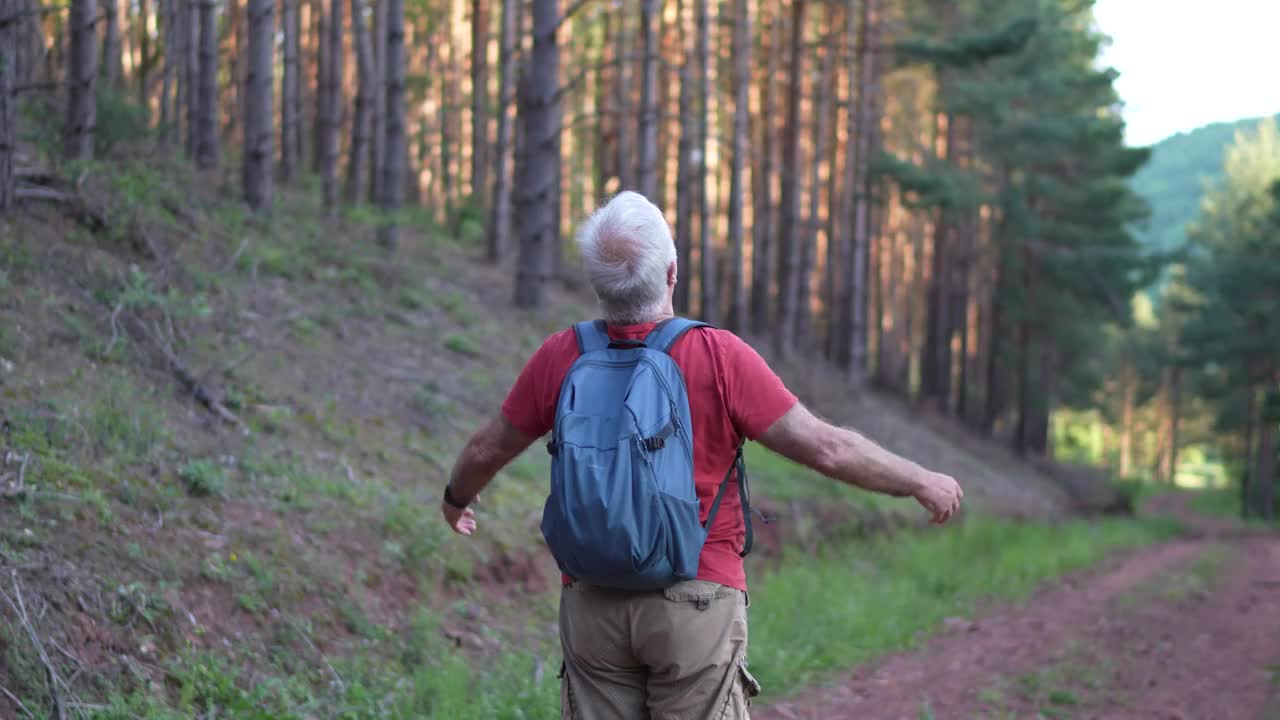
x=698, y=592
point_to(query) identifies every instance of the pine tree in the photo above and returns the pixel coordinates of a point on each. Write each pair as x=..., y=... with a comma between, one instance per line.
x=395, y=147
x=362, y=121
x=739, y=159
x=206, y=91
x=81, y=69
x=480, y=101
x=291, y=91
x=499, y=221
x=9, y=14
x=539, y=118
x=258, y=126
x=331, y=129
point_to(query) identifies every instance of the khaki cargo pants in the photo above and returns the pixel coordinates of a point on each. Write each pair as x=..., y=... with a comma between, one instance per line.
x=674, y=654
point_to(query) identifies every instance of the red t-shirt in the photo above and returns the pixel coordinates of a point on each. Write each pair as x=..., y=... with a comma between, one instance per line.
x=733, y=395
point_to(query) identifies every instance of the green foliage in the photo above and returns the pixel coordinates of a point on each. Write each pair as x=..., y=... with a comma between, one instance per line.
x=1180, y=168
x=203, y=478
x=819, y=614
x=119, y=119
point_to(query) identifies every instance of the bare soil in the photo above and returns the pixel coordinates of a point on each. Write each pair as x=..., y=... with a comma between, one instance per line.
x=1134, y=640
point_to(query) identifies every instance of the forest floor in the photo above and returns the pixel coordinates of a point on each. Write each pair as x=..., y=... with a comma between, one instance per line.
x=1182, y=630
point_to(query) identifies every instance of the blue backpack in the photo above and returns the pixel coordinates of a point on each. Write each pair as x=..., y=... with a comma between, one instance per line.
x=623, y=512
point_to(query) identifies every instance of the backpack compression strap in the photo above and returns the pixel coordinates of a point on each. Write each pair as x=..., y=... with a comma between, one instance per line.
x=592, y=335
x=740, y=467
x=667, y=332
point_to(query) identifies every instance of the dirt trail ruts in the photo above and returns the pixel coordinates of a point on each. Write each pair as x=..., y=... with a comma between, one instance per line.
x=1201, y=656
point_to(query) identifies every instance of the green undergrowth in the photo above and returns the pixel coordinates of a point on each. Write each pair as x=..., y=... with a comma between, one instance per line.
x=777, y=479
x=852, y=603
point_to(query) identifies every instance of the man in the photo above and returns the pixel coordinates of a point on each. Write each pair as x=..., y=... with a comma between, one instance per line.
x=678, y=652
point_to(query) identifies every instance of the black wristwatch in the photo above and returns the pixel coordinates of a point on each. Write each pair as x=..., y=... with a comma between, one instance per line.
x=451, y=500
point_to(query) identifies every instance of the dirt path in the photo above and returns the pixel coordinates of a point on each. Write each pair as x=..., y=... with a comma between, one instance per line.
x=1185, y=630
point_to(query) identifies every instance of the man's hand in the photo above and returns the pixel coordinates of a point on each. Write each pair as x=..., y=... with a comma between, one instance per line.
x=940, y=495
x=463, y=522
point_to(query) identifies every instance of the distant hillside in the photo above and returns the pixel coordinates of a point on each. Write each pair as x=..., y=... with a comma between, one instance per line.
x=1173, y=180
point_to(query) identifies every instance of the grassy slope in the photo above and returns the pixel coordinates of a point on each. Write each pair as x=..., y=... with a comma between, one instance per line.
x=301, y=559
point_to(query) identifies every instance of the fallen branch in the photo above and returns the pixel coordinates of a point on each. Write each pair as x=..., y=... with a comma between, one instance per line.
x=189, y=381
x=95, y=219
x=16, y=701
x=54, y=680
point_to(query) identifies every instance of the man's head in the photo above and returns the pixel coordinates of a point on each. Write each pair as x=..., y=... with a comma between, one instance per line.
x=631, y=259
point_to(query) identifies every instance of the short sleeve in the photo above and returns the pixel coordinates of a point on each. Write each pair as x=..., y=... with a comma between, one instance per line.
x=754, y=395
x=531, y=404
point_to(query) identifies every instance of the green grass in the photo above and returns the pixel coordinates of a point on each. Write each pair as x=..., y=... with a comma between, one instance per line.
x=852, y=603
x=777, y=479
x=1180, y=583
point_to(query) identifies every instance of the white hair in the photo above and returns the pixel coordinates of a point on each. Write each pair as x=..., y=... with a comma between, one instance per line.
x=627, y=247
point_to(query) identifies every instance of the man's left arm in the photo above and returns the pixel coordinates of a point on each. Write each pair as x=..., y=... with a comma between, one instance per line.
x=488, y=451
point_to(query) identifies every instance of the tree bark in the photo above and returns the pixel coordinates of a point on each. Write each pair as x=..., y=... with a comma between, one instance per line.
x=394, y=162
x=110, y=63
x=379, y=150
x=808, y=253
x=290, y=92
x=191, y=35
x=1264, y=476
x=647, y=159
x=789, y=201
x=935, y=363
x=320, y=107
x=622, y=101
x=685, y=176
x=539, y=116
x=763, y=237
x=169, y=42
x=1129, y=392
x=362, y=121
x=480, y=101
x=707, y=306
x=332, y=127
x=863, y=124
x=741, y=98
x=207, y=120
x=81, y=106
x=142, y=41
x=235, y=94
x=9, y=28
x=499, y=230
x=258, y=108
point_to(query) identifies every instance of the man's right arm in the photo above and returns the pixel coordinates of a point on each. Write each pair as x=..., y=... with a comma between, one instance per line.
x=846, y=456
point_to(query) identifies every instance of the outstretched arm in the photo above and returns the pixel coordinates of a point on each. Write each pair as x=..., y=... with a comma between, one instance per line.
x=487, y=452
x=846, y=456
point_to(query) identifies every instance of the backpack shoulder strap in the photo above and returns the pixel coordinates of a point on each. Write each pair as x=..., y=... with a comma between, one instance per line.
x=667, y=332
x=592, y=335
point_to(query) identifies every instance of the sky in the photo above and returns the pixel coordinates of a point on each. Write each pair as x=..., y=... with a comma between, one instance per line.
x=1187, y=63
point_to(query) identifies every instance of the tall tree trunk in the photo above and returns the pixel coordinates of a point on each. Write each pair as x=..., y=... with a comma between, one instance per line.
x=862, y=128
x=1264, y=478
x=143, y=67
x=395, y=146
x=191, y=34
x=499, y=230
x=258, y=108
x=1246, y=479
x=9, y=29
x=332, y=128
x=685, y=175
x=935, y=363
x=290, y=92
x=207, y=119
x=822, y=119
x=539, y=116
x=379, y=150
x=1129, y=392
x=739, y=158
x=763, y=237
x=169, y=43
x=320, y=107
x=81, y=107
x=362, y=122
x=1166, y=463
x=708, y=310
x=647, y=160
x=626, y=181
x=235, y=94
x=480, y=101
x=789, y=212
x=111, y=49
